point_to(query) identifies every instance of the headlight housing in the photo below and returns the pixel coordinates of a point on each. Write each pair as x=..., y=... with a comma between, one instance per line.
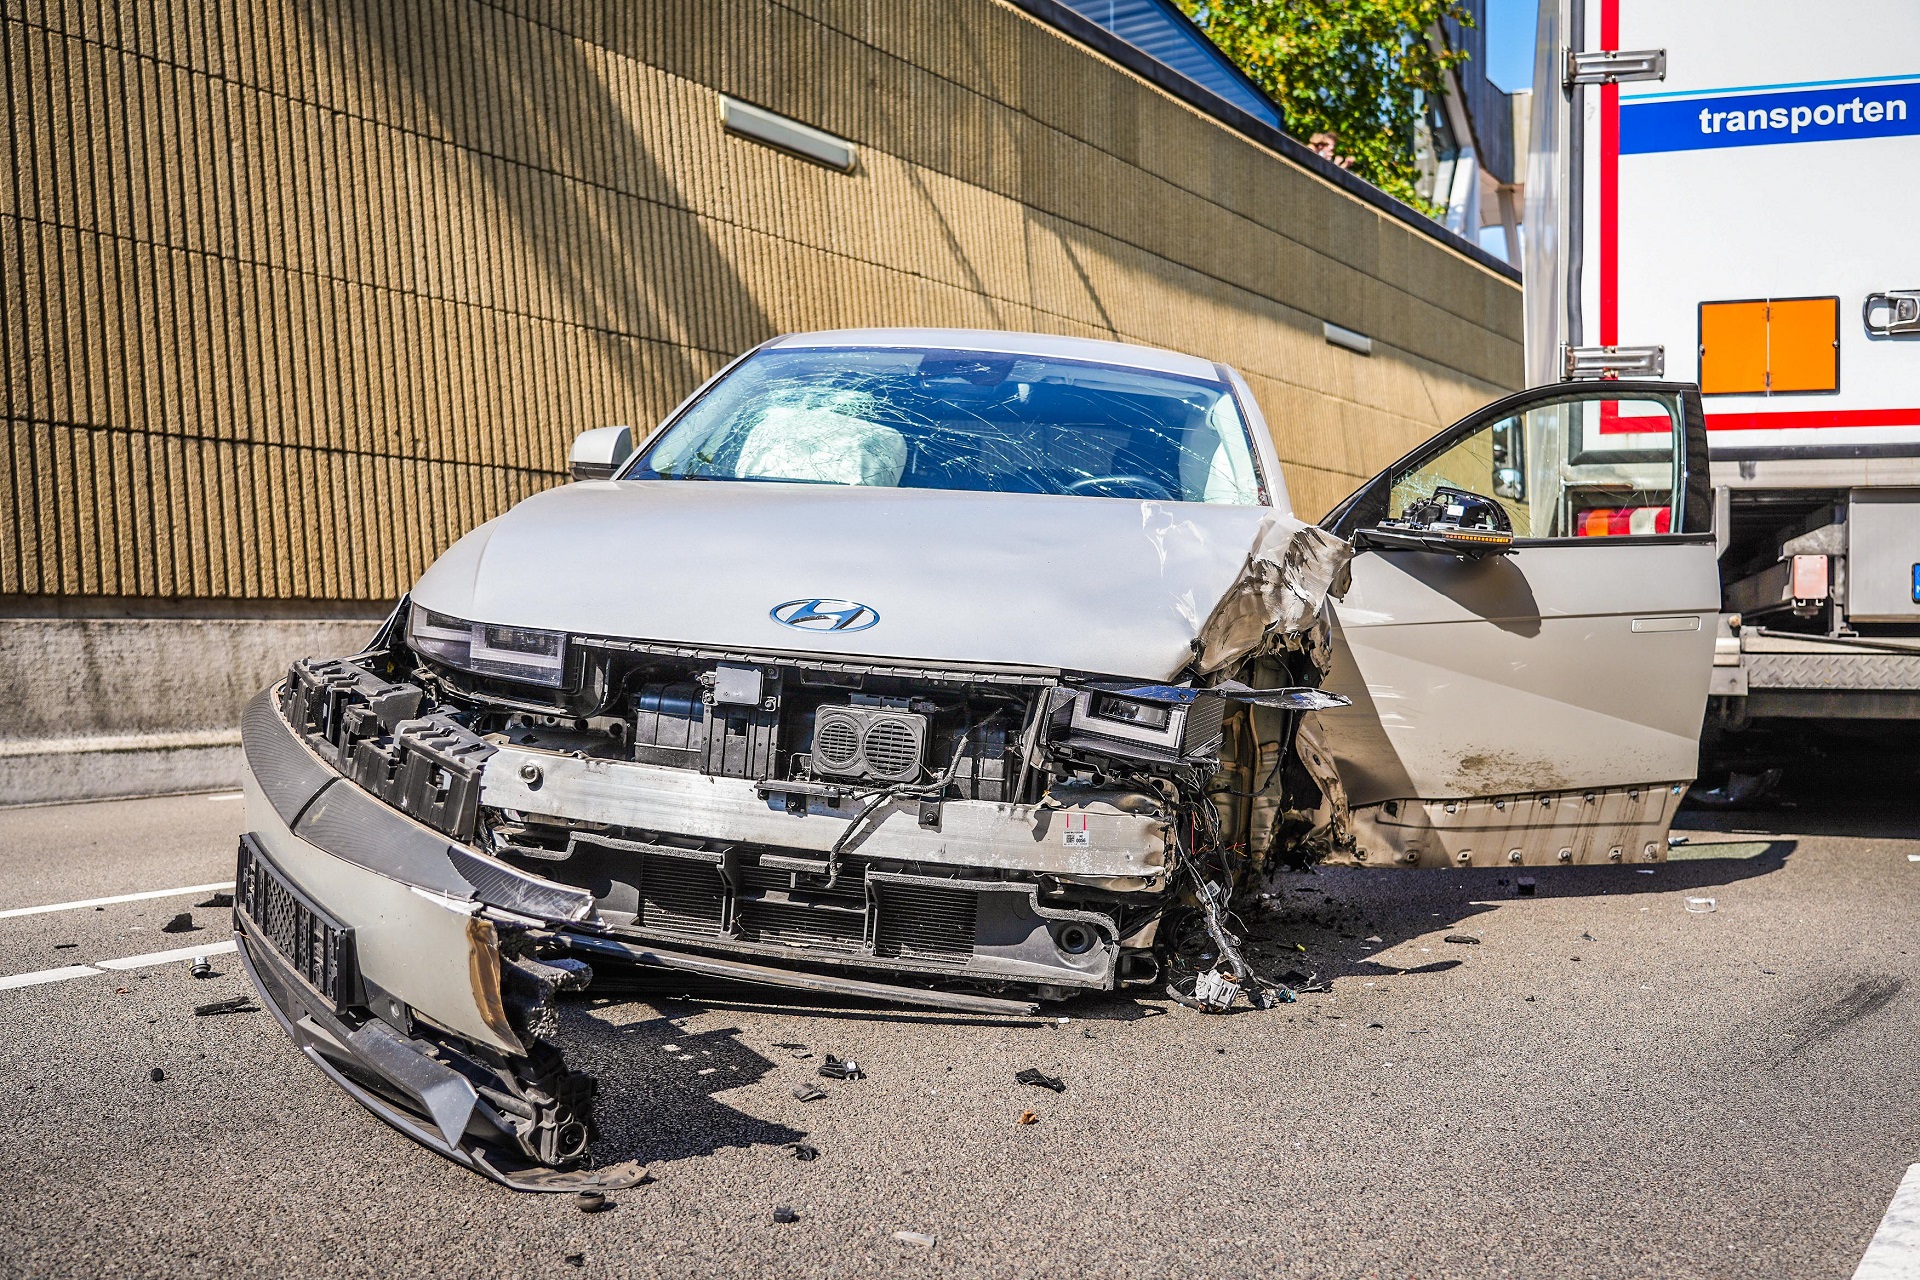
x=522, y=654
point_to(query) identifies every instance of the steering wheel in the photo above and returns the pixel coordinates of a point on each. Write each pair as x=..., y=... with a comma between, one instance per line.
x=1154, y=488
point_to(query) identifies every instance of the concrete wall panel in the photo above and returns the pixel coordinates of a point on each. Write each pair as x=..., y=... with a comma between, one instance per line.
x=295, y=293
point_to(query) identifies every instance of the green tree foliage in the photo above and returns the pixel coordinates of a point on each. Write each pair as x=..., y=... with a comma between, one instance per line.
x=1357, y=69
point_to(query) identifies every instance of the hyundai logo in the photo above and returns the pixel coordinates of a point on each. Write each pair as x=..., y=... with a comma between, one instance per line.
x=825, y=615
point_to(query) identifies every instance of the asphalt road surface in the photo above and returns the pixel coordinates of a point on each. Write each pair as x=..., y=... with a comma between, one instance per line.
x=1604, y=1085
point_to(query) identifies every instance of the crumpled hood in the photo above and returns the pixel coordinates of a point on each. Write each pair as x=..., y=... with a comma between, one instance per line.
x=1112, y=586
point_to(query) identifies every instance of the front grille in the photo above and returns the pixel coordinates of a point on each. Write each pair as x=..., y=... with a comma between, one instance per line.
x=924, y=922
x=681, y=895
x=771, y=911
x=318, y=948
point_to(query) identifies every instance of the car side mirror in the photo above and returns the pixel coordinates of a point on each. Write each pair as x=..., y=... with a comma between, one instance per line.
x=1468, y=544
x=598, y=453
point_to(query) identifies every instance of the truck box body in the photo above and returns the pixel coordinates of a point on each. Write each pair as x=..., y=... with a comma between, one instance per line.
x=1750, y=220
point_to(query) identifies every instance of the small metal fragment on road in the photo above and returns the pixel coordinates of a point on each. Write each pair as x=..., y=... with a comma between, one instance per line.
x=784, y=1213
x=809, y=1092
x=1525, y=887
x=1701, y=906
x=222, y=899
x=233, y=1004
x=156, y=1075
x=182, y=923
x=914, y=1237
x=801, y=1151
x=202, y=967
x=590, y=1201
x=1028, y=1117
x=1035, y=1076
x=841, y=1069
x=1464, y=939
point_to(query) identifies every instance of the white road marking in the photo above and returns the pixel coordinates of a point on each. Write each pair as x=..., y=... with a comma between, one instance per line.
x=1894, y=1251
x=47, y=975
x=168, y=957
x=107, y=902
x=126, y=962
x=229, y=795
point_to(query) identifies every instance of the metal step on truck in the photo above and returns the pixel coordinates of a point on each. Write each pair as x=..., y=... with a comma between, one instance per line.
x=1728, y=192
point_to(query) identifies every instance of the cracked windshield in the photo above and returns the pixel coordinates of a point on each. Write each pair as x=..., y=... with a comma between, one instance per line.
x=937, y=419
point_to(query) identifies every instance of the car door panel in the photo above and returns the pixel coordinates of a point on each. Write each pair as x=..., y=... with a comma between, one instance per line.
x=1537, y=707
x=1525, y=695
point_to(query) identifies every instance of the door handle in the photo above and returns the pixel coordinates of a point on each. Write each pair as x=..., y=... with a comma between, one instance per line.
x=1901, y=308
x=1689, y=623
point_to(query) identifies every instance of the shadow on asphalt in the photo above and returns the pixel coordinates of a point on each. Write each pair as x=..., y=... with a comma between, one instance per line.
x=657, y=1083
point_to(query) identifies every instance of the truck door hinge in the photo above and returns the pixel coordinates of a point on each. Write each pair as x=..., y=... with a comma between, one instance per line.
x=1612, y=66
x=1579, y=363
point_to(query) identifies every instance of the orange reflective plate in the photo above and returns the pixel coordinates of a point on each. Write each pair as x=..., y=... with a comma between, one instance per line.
x=1733, y=348
x=1803, y=341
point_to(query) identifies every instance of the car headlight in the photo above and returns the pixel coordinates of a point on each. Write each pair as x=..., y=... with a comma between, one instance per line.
x=489, y=649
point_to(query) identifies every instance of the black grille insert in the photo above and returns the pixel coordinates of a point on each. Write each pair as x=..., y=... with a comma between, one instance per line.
x=681, y=894
x=924, y=922
x=317, y=947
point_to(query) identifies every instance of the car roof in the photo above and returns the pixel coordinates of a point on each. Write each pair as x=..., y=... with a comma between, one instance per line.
x=1025, y=344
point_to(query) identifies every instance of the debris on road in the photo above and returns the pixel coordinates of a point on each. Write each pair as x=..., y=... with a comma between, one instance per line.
x=156, y=1075
x=182, y=923
x=841, y=1069
x=202, y=967
x=590, y=1201
x=914, y=1237
x=1464, y=939
x=1740, y=789
x=801, y=1151
x=220, y=899
x=809, y=1092
x=1029, y=1117
x=1701, y=906
x=1035, y=1076
x=575, y=1259
x=234, y=1004
x=65, y=946
x=784, y=1213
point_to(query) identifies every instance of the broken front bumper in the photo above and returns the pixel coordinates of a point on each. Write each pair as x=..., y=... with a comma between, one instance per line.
x=391, y=986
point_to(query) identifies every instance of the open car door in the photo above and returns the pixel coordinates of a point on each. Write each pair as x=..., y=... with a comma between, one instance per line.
x=1529, y=634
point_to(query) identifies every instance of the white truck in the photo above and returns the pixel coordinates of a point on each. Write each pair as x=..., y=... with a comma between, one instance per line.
x=1728, y=192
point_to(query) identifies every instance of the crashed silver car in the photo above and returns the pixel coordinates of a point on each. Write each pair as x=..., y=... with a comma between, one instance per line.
x=956, y=669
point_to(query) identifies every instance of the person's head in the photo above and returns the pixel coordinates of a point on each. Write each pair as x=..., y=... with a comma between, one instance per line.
x=1323, y=144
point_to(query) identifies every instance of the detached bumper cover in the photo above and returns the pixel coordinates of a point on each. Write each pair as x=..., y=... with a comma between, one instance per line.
x=365, y=934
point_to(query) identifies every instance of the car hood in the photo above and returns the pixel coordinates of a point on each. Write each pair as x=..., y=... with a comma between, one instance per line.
x=1106, y=585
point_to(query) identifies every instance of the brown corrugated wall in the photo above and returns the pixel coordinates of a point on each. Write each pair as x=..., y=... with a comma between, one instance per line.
x=296, y=292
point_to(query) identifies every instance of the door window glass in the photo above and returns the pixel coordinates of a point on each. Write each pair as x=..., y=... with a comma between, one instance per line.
x=1595, y=466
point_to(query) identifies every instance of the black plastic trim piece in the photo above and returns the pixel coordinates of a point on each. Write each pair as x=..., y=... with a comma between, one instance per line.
x=794, y=979
x=336, y=1047
x=1798, y=452
x=290, y=775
